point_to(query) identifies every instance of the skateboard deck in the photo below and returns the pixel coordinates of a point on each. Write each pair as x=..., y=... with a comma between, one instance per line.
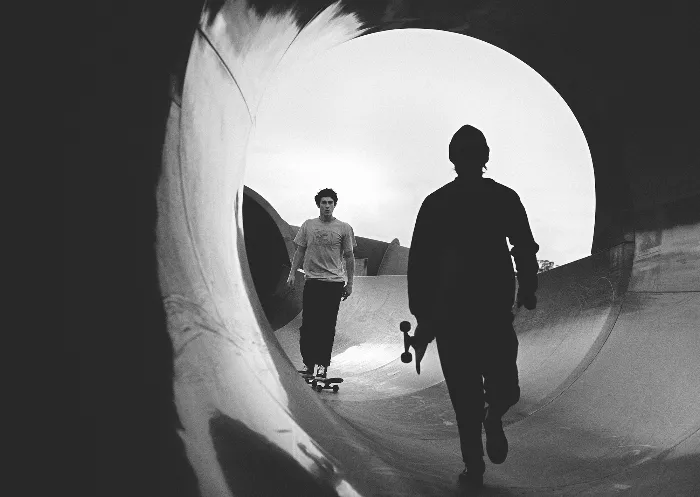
x=319, y=384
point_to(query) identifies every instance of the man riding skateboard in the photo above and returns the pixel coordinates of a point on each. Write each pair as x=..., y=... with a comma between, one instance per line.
x=461, y=286
x=325, y=247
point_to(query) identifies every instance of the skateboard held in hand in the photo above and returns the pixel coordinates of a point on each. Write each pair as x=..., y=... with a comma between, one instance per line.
x=405, y=327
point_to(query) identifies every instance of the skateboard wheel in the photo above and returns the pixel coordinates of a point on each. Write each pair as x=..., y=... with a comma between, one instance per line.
x=335, y=388
x=406, y=357
x=405, y=326
x=319, y=388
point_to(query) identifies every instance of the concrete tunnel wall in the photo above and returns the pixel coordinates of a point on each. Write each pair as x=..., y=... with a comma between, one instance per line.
x=269, y=248
x=640, y=123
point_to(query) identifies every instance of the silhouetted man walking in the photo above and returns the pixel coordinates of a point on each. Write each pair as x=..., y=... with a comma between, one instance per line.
x=325, y=247
x=461, y=286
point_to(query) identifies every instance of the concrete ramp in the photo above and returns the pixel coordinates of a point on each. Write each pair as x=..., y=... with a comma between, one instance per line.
x=368, y=343
x=609, y=385
x=395, y=260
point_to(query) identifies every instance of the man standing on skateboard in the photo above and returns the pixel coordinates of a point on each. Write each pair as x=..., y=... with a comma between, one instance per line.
x=323, y=244
x=461, y=287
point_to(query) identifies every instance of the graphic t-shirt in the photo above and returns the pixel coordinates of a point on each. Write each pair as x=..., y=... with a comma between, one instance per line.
x=325, y=245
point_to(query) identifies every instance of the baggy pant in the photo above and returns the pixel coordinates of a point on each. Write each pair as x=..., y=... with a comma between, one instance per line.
x=478, y=360
x=321, y=301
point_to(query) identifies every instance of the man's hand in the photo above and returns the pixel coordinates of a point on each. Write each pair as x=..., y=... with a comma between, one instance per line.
x=419, y=349
x=290, y=281
x=528, y=300
x=347, y=291
x=421, y=338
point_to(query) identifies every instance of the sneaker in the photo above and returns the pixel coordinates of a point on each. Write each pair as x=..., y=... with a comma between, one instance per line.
x=473, y=477
x=321, y=371
x=496, y=441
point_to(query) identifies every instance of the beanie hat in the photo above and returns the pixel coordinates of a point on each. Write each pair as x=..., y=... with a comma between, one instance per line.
x=468, y=141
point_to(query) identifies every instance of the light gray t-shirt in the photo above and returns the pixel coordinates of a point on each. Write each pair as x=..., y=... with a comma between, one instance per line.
x=325, y=245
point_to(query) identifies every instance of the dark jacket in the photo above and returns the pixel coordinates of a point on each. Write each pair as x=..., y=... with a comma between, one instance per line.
x=459, y=261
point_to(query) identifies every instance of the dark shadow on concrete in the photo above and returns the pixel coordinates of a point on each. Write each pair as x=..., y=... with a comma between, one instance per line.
x=268, y=260
x=252, y=465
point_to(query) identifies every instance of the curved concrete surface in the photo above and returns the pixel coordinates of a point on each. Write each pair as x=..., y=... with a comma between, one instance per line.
x=366, y=345
x=594, y=408
x=609, y=361
x=395, y=259
x=269, y=243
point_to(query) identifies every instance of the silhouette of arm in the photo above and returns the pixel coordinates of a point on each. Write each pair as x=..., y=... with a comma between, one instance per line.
x=524, y=249
x=420, y=276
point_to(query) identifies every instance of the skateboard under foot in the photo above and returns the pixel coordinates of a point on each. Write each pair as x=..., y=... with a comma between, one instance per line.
x=319, y=384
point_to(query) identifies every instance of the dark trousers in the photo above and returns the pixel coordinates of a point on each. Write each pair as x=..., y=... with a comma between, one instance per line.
x=478, y=358
x=320, y=313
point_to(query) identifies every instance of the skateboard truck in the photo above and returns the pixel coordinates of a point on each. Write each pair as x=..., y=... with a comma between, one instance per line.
x=405, y=327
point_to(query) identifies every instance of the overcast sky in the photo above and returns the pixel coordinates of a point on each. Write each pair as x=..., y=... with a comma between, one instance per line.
x=373, y=118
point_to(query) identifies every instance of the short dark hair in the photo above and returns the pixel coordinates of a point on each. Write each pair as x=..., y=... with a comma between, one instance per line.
x=326, y=192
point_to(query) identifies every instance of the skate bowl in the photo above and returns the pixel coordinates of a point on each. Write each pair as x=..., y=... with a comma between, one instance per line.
x=584, y=359
x=608, y=362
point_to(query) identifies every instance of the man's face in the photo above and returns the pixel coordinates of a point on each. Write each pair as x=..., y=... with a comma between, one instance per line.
x=327, y=206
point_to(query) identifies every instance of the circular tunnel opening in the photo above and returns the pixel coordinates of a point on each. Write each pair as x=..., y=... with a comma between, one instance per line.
x=372, y=118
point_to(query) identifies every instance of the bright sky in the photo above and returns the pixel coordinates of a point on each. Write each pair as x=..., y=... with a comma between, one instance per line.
x=372, y=119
